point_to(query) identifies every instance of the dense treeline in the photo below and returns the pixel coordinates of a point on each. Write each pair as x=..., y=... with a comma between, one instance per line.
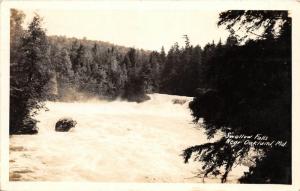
x=242, y=88
x=102, y=70
x=106, y=70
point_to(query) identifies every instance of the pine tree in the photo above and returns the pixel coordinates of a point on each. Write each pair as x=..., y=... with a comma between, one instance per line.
x=29, y=75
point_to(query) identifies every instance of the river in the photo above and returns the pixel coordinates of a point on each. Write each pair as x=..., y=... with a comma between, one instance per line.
x=115, y=141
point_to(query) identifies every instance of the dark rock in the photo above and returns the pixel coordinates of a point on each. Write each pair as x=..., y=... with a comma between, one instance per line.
x=30, y=131
x=138, y=98
x=29, y=127
x=64, y=125
x=179, y=101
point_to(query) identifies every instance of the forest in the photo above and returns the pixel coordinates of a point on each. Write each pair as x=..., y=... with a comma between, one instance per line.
x=242, y=85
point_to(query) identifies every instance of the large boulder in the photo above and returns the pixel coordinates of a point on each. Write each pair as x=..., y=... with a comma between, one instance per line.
x=65, y=124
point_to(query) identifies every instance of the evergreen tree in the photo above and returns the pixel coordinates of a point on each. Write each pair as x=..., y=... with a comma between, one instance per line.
x=134, y=89
x=29, y=75
x=162, y=55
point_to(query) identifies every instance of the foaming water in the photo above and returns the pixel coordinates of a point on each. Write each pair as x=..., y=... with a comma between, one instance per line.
x=114, y=141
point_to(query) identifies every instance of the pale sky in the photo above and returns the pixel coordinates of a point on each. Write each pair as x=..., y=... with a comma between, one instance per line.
x=149, y=29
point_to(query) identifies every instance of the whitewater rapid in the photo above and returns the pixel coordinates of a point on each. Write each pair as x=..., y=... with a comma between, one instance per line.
x=114, y=141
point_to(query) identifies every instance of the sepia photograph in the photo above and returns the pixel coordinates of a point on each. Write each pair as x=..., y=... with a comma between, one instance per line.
x=150, y=96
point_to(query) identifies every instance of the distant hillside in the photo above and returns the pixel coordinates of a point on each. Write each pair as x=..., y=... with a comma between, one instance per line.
x=67, y=41
x=98, y=68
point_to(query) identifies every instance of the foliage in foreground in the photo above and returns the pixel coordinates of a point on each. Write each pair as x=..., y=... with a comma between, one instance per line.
x=248, y=92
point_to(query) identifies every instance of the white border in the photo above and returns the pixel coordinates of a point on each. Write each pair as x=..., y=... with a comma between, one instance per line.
x=143, y=5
